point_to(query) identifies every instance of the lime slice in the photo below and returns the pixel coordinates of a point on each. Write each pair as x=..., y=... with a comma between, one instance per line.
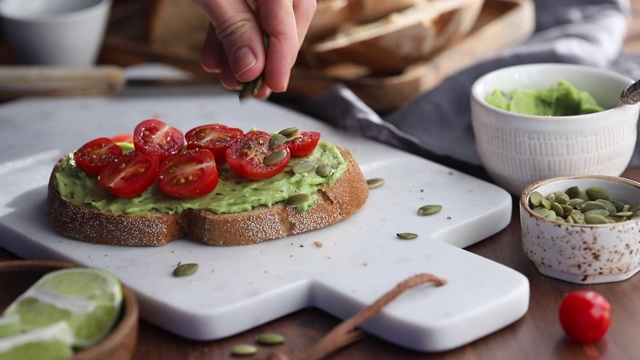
x=50, y=342
x=88, y=299
x=9, y=325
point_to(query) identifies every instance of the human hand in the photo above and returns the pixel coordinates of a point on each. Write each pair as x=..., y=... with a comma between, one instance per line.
x=234, y=45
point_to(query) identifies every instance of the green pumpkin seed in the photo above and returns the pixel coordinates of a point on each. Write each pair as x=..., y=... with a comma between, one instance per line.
x=541, y=210
x=610, y=207
x=601, y=212
x=593, y=219
x=324, y=170
x=558, y=209
x=429, y=210
x=535, y=198
x=244, y=350
x=407, y=235
x=277, y=140
x=270, y=338
x=303, y=166
x=274, y=157
x=297, y=199
x=290, y=132
x=375, y=183
x=596, y=193
x=185, y=269
x=591, y=205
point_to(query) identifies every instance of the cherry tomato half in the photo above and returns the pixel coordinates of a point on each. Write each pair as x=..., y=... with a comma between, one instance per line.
x=128, y=138
x=214, y=137
x=585, y=315
x=158, y=137
x=304, y=143
x=189, y=174
x=95, y=155
x=247, y=153
x=130, y=174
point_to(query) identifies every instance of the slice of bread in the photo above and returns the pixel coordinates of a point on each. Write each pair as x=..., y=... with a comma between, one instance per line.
x=334, y=203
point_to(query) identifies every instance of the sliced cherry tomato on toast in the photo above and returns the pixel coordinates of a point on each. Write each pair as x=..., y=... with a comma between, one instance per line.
x=304, y=143
x=130, y=174
x=127, y=138
x=189, y=174
x=214, y=137
x=247, y=153
x=96, y=154
x=155, y=136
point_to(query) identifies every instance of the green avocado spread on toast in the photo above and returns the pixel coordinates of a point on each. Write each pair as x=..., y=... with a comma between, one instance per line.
x=232, y=195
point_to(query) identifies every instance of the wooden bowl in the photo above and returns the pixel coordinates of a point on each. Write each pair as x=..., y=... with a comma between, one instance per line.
x=17, y=276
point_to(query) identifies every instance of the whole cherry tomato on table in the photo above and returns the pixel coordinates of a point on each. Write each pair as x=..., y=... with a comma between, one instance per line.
x=95, y=155
x=189, y=174
x=250, y=156
x=585, y=315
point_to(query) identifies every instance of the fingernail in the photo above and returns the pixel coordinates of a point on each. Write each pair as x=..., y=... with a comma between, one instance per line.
x=243, y=60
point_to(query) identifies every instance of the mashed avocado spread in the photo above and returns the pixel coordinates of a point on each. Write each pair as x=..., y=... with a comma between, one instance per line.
x=232, y=195
x=563, y=99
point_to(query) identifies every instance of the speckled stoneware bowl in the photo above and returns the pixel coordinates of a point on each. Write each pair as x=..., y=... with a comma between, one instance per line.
x=582, y=254
x=517, y=150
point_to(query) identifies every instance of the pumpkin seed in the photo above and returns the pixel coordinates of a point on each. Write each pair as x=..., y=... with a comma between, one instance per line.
x=290, y=132
x=593, y=219
x=297, y=199
x=375, y=183
x=185, y=269
x=407, y=235
x=576, y=206
x=303, y=166
x=277, y=140
x=429, y=210
x=270, y=338
x=323, y=170
x=274, y=157
x=244, y=350
x=535, y=198
x=596, y=193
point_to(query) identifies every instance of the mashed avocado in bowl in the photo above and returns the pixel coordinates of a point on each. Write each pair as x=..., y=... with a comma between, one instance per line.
x=562, y=99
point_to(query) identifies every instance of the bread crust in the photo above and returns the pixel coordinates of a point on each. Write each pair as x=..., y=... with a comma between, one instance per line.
x=335, y=203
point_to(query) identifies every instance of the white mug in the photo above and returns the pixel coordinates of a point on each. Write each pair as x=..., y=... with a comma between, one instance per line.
x=55, y=32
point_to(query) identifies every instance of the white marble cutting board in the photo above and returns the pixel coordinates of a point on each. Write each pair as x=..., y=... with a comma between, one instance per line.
x=339, y=269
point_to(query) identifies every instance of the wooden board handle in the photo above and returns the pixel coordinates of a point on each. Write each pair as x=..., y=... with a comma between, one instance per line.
x=19, y=81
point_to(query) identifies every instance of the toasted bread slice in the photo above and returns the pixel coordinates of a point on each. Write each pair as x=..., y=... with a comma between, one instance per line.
x=334, y=203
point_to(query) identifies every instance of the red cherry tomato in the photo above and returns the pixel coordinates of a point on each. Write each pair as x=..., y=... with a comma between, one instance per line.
x=214, y=137
x=189, y=174
x=130, y=174
x=246, y=156
x=155, y=136
x=95, y=155
x=128, y=138
x=304, y=143
x=585, y=315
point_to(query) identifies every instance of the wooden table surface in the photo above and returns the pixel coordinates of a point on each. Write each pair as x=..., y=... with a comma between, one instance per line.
x=537, y=335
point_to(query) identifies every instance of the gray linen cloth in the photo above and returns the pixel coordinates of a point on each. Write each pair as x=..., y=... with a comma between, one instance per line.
x=437, y=124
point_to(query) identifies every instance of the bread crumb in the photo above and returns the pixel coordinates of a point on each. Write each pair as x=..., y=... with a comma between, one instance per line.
x=318, y=244
x=365, y=264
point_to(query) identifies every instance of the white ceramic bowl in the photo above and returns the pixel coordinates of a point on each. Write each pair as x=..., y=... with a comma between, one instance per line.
x=517, y=150
x=579, y=253
x=55, y=32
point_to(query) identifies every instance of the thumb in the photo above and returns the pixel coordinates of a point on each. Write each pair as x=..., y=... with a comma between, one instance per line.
x=237, y=29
